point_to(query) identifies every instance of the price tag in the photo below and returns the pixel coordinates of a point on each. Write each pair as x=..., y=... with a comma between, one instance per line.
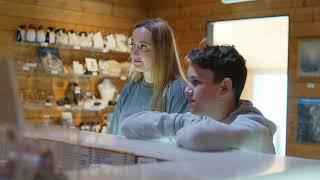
x=44, y=44
x=76, y=47
x=77, y=90
x=104, y=50
x=25, y=67
x=311, y=85
x=48, y=104
x=123, y=78
x=33, y=64
x=88, y=93
x=54, y=72
x=144, y=160
x=67, y=106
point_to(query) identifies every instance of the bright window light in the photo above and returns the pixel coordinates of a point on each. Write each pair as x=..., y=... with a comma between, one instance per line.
x=234, y=1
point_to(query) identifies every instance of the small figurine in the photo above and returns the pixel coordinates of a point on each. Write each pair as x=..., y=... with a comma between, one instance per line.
x=21, y=33
x=31, y=33
x=77, y=68
x=83, y=39
x=97, y=40
x=90, y=39
x=50, y=36
x=92, y=64
x=41, y=35
x=110, y=43
x=74, y=39
x=121, y=41
x=106, y=90
x=61, y=37
x=73, y=93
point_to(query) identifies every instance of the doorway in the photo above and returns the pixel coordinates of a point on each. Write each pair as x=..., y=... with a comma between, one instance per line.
x=263, y=42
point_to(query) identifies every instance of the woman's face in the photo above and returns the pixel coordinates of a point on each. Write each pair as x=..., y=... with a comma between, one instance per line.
x=141, y=50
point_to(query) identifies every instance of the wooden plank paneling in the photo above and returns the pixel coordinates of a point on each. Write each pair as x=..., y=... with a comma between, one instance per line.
x=66, y=16
x=108, y=16
x=189, y=20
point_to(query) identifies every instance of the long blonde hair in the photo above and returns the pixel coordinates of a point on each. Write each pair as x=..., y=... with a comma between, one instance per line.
x=166, y=65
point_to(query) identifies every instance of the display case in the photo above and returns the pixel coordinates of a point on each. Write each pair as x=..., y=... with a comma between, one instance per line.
x=43, y=93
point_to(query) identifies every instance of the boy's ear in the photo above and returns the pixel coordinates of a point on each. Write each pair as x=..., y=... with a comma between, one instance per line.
x=226, y=86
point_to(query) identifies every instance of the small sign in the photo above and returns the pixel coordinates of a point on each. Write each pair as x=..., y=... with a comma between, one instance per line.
x=44, y=44
x=123, y=78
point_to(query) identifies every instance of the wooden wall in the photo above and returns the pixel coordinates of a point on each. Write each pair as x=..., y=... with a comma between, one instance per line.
x=108, y=16
x=189, y=18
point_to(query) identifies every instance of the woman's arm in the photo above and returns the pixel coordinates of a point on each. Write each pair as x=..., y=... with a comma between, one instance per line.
x=153, y=125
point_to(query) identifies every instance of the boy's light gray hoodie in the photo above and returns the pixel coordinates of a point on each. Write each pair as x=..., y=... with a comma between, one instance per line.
x=245, y=129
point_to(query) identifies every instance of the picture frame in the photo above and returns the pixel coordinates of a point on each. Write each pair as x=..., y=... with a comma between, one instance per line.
x=51, y=59
x=92, y=64
x=308, y=129
x=309, y=57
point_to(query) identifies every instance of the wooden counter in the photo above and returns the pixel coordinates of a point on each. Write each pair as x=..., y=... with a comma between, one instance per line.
x=179, y=163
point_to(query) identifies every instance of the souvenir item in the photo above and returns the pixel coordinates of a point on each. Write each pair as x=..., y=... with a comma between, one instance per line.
x=31, y=33
x=106, y=90
x=83, y=39
x=51, y=59
x=89, y=41
x=110, y=68
x=122, y=43
x=110, y=43
x=73, y=93
x=61, y=37
x=21, y=33
x=94, y=104
x=96, y=128
x=41, y=35
x=125, y=69
x=104, y=129
x=74, y=39
x=51, y=37
x=97, y=40
x=66, y=119
x=77, y=68
x=91, y=64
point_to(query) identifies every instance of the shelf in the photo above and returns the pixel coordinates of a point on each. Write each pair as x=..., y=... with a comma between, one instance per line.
x=36, y=84
x=42, y=75
x=39, y=106
x=76, y=48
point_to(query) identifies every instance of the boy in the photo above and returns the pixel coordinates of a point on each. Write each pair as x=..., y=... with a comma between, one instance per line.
x=217, y=77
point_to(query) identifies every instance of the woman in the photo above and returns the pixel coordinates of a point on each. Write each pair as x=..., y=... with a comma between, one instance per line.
x=157, y=82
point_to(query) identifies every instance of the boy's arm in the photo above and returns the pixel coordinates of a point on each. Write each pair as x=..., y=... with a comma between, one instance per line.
x=246, y=133
x=153, y=125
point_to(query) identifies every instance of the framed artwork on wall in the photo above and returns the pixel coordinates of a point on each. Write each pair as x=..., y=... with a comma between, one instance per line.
x=309, y=57
x=308, y=120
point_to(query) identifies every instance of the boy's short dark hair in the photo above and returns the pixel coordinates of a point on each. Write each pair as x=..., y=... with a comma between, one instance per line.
x=225, y=62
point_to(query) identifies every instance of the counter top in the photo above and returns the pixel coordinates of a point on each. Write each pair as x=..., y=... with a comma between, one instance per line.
x=224, y=165
x=154, y=149
x=182, y=163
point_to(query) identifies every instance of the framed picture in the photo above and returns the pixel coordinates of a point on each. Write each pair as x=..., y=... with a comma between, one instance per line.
x=309, y=57
x=308, y=120
x=51, y=59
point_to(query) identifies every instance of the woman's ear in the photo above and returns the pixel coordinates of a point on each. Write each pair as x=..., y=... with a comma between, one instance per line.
x=226, y=86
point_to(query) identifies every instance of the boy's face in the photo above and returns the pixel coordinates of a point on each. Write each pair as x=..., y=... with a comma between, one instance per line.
x=201, y=91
